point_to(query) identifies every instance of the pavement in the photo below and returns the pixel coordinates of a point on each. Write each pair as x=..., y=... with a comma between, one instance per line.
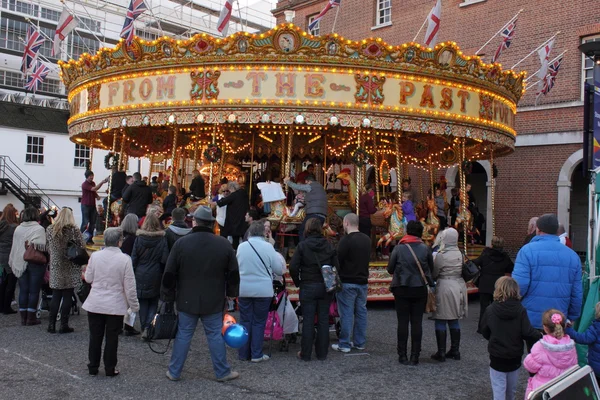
x=37, y=365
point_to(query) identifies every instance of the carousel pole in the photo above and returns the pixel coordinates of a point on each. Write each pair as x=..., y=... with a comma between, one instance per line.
x=376, y=164
x=173, y=157
x=398, y=168
x=493, y=190
x=288, y=166
x=463, y=189
x=358, y=177
x=151, y=165
x=122, y=152
x=212, y=164
x=325, y=162
x=221, y=165
x=431, y=177
x=92, y=152
x=251, y=167
x=114, y=146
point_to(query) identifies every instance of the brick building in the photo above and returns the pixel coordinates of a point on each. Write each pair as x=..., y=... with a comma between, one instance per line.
x=544, y=172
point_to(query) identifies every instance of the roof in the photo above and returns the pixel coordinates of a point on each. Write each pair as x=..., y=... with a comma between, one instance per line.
x=32, y=117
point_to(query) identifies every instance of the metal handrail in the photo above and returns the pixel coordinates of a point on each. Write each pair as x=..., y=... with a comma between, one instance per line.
x=29, y=187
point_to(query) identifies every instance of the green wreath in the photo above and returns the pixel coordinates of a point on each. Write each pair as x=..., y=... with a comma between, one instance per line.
x=213, y=153
x=111, y=160
x=360, y=157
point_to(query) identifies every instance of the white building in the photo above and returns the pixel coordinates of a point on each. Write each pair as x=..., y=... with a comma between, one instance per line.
x=35, y=151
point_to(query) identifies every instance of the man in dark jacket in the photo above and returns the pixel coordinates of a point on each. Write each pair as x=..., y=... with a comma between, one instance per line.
x=197, y=185
x=137, y=196
x=235, y=216
x=178, y=227
x=169, y=203
x=315, y=198
x=201, y=271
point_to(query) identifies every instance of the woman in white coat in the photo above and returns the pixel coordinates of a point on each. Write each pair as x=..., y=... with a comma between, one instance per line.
x=110, y=273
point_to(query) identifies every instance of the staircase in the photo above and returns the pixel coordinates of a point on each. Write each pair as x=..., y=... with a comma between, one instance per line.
x=14, y=180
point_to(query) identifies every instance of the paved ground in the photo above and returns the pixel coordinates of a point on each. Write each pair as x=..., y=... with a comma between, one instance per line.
x=37, y=365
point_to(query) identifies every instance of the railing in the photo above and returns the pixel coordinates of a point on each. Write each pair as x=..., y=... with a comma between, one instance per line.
x=17, y=181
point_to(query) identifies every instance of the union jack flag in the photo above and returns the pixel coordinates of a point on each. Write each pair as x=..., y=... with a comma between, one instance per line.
x=551, y=76
x=136, y=8
x=508, y=33
x=33, y=42
x=36, y=77
x=330, y=4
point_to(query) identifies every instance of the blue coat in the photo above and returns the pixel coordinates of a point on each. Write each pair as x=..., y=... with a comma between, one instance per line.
x=549, y=275
x=591, y=337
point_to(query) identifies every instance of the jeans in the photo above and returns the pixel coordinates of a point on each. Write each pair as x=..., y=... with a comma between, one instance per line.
x=253, y=316
x=103, y=326
x=216, y=345
x=440, y=324
x=485, y=299
x=504, y=384
x=306, y=218
x=30, y=284
x=88, y=220
x=315, y=301
x=148, y=309
x=352, y=306
x=66, y=295
x=7, y=291
x=410, y=310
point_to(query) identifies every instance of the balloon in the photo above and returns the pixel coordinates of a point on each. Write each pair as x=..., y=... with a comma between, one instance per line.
x=236, y=336
x=228, y=320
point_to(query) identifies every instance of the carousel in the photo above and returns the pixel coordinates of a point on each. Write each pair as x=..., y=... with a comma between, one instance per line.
x=258, y=106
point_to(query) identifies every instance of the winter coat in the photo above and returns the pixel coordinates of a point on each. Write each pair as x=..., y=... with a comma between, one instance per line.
x=549, y=275
x=110, y=273
x=549, y=358
x=506, y=325
x=30, y=232
x=366, y=206
x=590, y=337
x=6, y=239
x=128, y=242
x=237, y=207
x=408, y=210
x=175, y=231
x=149, y=256
x=403, y=267
x=197, y=187
x=170, y=203
x=137, y=196
x=202, y=269
x=256, y=272
x=493, y=264
x=451, y=290
x=310, y=255
x=64, y=274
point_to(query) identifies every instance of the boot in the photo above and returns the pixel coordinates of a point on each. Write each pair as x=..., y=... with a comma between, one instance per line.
x=414, y=359
x=454, y=345
x=52, y=324
x=32, y=319
x=64, y=324
x=23, y=317
x=440, y=337
x=415, y=351
x=402, y=359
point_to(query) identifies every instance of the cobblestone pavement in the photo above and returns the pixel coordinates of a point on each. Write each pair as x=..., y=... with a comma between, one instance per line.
x=37, y=365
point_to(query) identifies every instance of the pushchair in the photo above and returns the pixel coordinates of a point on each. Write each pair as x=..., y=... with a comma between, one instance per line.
x=46, y=298
x=334, y=317
x=281, y=320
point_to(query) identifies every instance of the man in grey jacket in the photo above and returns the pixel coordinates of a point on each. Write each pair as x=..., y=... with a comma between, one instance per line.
x=315, y=199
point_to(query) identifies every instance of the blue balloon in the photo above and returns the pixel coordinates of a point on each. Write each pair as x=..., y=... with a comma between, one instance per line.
x=236, y=336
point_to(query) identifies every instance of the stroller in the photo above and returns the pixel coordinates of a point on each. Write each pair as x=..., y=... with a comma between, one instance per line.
x=334, y=317
x=277, y=328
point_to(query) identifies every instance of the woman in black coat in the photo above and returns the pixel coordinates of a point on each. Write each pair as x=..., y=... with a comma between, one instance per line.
x=8, y=280
x=494, y=264
x=149, y=257
x=235, y=217
x=305, y=269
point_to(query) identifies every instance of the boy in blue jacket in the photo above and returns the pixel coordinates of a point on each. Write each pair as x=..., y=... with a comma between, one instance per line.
x=590, y=337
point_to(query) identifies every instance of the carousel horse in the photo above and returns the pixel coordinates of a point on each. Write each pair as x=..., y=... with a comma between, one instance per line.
x=191, y=205
x=393, y=211
x=281, y=213
x=431, y=223
x=116, y=208
x=347, y=180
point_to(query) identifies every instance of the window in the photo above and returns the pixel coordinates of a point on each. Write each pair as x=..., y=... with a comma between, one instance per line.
x=46, y=49
x=80, y=45
x=51, y=86
x=384, y=12
x=35, y=150
x=49, y=14
x=21, y=7
x=588, y=64
x=82, y=155
x=316, y=31
x=10, y=33
x=89, y=25
x=16, y=80
x=142, y=34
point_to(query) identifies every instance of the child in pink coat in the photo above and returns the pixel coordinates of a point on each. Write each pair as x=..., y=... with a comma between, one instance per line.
x=552, y=355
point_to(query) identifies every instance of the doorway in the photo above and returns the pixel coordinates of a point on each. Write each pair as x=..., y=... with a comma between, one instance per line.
x=578, y=211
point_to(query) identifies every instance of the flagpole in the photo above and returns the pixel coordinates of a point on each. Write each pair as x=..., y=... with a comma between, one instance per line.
x=162, y=33
x=550, y=62
x=497, y=33
x=38, y=54
x=80, y=20
x=421, y=28
x=336, y=17
x=536, y=49
x=240, y=15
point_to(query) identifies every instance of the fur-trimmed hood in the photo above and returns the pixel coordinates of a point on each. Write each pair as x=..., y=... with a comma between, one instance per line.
x=142, y=232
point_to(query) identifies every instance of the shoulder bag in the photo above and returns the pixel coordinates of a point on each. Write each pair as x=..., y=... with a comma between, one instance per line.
x=431, y=304
x=332, y=280
x=34, y=256
x=470, y=270
x=163, y=325
x=76, y=254
x=273, y=305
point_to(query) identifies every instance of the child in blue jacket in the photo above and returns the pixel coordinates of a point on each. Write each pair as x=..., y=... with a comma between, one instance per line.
x=590, y=337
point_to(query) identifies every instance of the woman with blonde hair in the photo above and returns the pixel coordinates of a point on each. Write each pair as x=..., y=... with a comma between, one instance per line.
x=64, y=274
x=149, y=256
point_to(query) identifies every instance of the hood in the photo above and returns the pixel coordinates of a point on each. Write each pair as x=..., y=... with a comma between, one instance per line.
x=510, y=309
x=148, y=234
x=179, y=229
x=496, y=255
x=450, y=237
x=140, y=183
x=317, y=244
x=560, y=351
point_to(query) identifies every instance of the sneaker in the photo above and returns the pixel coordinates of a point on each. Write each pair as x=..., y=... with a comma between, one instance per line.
x=263, y=358
x=232, y=375
x=171, y=377
x=358, y=347
x=337, y=347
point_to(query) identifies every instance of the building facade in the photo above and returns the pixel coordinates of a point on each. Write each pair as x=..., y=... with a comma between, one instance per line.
x=543, y=174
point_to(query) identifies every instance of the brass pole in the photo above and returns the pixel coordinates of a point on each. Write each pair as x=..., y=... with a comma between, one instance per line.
x=398, y=168
x=325, y=161
x=288, y=166
x=463, y=189
x=114, y=146
x=122, y=153
x=376, y=160
x=358, y=177
x=210, y=175
x=493, y=180
x=173, y=157
x=251, y=168
x=151, y=165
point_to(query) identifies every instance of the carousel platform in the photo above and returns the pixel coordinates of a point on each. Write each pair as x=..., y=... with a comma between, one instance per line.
x=379, y=279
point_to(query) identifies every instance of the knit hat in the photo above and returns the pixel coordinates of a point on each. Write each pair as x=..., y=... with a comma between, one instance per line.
x=548, y=223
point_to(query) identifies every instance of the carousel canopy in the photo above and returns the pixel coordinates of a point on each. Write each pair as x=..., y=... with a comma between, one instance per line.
x=329, y=92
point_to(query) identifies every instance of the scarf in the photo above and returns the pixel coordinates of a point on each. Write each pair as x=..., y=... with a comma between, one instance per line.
x=410, y=239
x=31, y=232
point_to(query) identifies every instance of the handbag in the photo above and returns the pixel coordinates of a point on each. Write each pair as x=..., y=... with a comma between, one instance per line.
x=431, y=301
x=273, y=305
x=163, y=325
x=33, y=255
x=470, y=270
x=332, y=280
x=84, y=291
x=76, y=254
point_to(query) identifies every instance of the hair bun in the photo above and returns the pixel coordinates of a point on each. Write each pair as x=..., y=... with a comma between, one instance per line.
x=556, y=318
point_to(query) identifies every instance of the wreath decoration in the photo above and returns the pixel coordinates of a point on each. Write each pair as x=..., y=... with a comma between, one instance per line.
x=467, y=167
x=213, y=153
x=111, y=160
x=360, y=157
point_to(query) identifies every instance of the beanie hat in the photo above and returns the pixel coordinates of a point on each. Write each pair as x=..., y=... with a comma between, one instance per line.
x=548, y=223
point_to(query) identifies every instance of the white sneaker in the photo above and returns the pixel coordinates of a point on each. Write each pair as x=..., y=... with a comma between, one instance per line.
x=337, y=347
x=261, y=359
